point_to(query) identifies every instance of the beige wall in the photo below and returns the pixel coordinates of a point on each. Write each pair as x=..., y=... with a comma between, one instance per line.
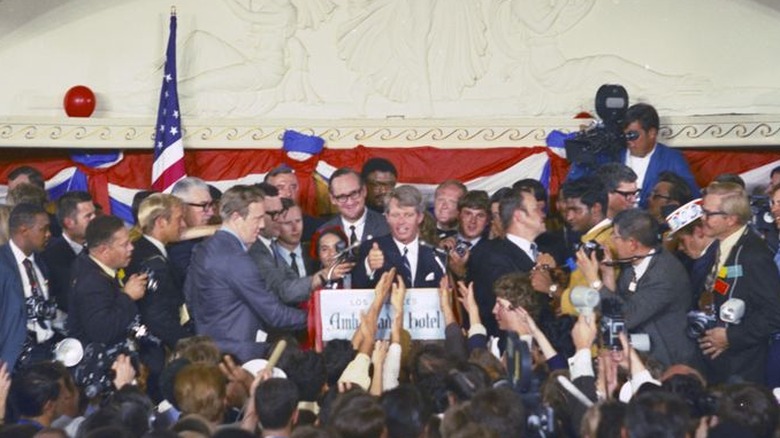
x=347, y=65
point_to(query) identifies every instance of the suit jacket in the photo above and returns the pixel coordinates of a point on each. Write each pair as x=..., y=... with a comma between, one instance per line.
x=486, y=264
x=13, y=315
x=59, y=257
x=376, y=225
x=279, y=276
x=658, y=307
x=159, y=308
x=757, y=287
x=229, y=299
x=99, y=310
x=664, y=158
x=427, y=274
x=179, y=253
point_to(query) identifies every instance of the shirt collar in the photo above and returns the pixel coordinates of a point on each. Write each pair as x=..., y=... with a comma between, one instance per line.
x=641, y=267
x=473, y=241
x=75, y=246
x=361, y=220
x=413, y=245
x=18, y=254
x=159, y=245
x=233, y=233
x=522, y=243
x=111, y=272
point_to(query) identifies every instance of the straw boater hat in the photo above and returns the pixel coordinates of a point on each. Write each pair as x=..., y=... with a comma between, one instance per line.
x=683, y=216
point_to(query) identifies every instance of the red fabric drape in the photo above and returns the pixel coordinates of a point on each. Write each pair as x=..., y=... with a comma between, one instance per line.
x=423, y=164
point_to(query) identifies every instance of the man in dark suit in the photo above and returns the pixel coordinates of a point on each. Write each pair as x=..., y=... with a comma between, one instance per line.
x=653, y=293
x=348, y=193
x=294, y=253
x=286, y=181
x=279, y=277
x=743, y=270
x=416, y=261
x=101, y=307
x=445, y=207
x=473, y=215
x=225, y=290
x=523, y=220
x=161, y=218
x=23, y=280
x=74, y=212
x=199, y=208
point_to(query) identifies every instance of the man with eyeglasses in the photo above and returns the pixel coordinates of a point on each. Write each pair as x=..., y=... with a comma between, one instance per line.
x=278, y=275
x=198, y=210
x=669, y=193
x=348, y=193
x=743, y=270
x=621, y=185
x=648, y=158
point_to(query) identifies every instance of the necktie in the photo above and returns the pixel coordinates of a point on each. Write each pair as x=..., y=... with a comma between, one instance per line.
x=707, y=299
x=352, y=235
x=407, y=267
x=35, y=290
x=294, y=264
x=32, y=278
x=534, y=251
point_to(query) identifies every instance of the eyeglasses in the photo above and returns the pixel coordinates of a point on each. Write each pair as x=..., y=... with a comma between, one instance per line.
x=205, y=206
x=274, y=214
x=351, y=196
x=631, y=135
x=713, y=213
x=627, y=195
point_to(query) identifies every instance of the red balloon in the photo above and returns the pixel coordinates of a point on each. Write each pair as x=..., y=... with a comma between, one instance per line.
x=79, y=102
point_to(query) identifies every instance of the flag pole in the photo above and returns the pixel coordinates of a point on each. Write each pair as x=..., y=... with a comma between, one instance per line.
x=173, y=10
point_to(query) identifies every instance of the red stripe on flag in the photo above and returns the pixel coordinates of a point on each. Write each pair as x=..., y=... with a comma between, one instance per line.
x=170, y=176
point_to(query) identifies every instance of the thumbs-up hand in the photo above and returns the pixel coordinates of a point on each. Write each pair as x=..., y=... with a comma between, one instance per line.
x=376, y=258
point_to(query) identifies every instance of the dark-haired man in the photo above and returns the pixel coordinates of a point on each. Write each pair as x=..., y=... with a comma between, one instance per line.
x=522, y=218
x=380, y=177
x=23, y=286
x=652, y=294
x=276, y=405
x=75, y=210
x=348, y=193
x=25, y=175
x=648, y=158
x=103, y=305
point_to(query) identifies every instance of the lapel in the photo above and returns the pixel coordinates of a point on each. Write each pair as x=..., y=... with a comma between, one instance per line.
x=517, y=257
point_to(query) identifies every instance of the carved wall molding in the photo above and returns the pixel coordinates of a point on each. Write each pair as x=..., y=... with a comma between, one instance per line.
x=697, y=131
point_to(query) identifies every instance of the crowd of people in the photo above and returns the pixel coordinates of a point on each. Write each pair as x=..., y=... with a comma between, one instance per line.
x=633, y=305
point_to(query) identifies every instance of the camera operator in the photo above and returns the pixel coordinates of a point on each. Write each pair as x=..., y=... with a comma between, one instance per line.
x=648, y=158
x=743, y=270
x=653, y=290
x=26, y=311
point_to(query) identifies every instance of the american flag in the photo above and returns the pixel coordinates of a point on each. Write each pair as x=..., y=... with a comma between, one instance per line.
x=168, y=166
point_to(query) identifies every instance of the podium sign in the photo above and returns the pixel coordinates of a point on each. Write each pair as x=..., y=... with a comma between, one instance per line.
x=340, y=311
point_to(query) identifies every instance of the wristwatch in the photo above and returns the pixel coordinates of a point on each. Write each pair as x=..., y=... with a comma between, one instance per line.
x=596, y=284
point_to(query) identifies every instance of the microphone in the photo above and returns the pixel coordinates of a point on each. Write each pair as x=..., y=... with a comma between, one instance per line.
x=342, y=255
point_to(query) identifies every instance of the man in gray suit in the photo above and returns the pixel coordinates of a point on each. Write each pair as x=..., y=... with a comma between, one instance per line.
x=653, y=292
x=225, y=291
x=279, y=277
x=348, y=193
